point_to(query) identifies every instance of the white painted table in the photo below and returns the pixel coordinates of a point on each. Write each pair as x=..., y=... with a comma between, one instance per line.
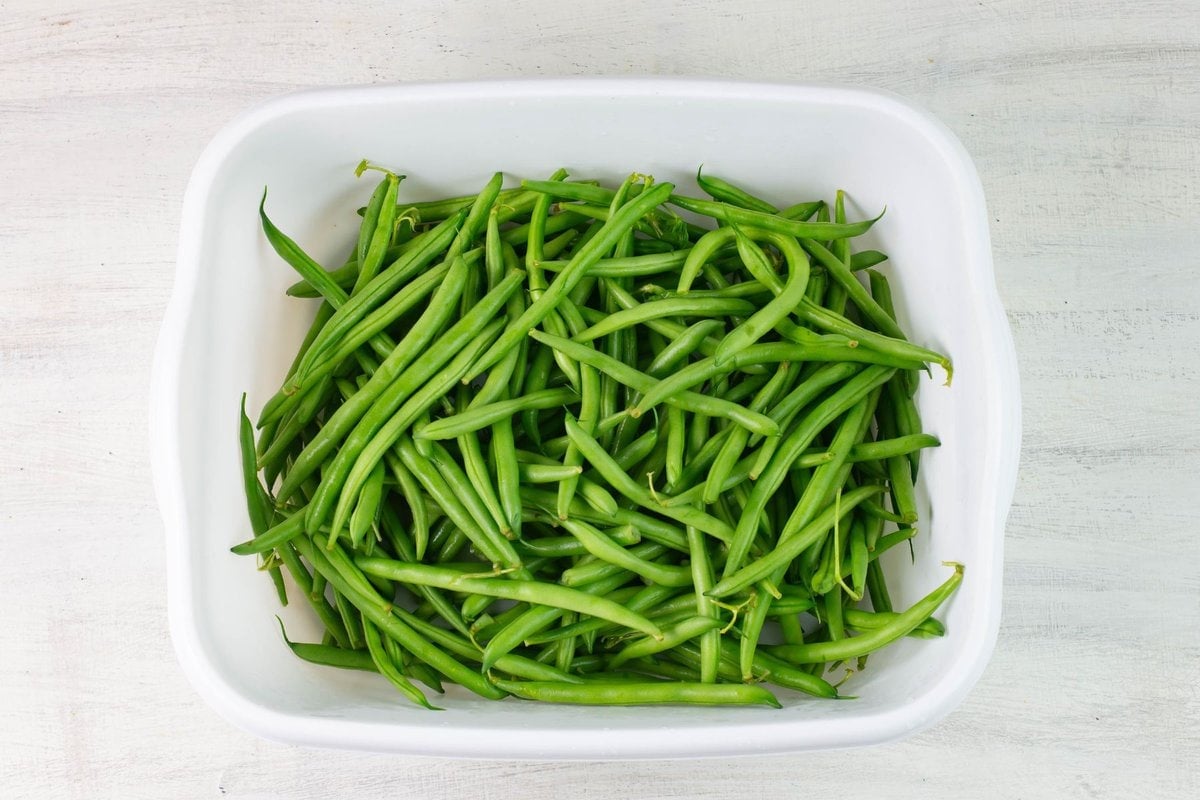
x=1084, y=120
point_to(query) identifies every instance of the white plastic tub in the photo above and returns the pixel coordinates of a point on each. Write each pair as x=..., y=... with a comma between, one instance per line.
x=230, y=329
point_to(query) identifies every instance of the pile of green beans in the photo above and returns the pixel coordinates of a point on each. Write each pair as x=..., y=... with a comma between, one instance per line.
x=562, y=443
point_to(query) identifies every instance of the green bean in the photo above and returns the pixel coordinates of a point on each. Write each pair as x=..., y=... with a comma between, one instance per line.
x=674, y=234
x=436, y=600
x=535, y=241
x=626, y=694
x=629, y=266
x=860, y=557
x=258, y=501
x=328, y=655
x=867, y=259
x=536, y=235
x=595, y=496
x=434, y=210
x=560, y=243
x=881, y=600
x=742, y=290
x=375, y=233
x=586, y=573
x=772, y=222
x=676, y=442
x=835, y=323
x=547, y=473
x=508, y=480
x=870, y=620
x=726, y=192
x=281, y=533
x=818, y=283
x=874, y=638
x=411, y=491
x=624, y=245
x=388, y=668
x=318, y=586
x=665, y=670
x=660, y=223
x=680, y=348
x=702, y=580
x=790, y=605
x=586, y=191
x=606, y=549
x=497, y=386
x=534, y=592
x=344, y=276
x=877, y=450
x=476, y=605
x=752, y=626
x=425, y=674
x=365, y=510
x=448, y=541
x=765, y=667
x=707, y=248
x=899, y=471
x=832, y=603
x=376, y=589
x=483, y=416
x=881, y=290
x=287, y=436
x=296, y=258
x=672, y=307
x=803, y=211
x=591, y=405
x=698, y=433
x=789, y=625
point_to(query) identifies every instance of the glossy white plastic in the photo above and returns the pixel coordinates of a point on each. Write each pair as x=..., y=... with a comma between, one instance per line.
x=229, y=329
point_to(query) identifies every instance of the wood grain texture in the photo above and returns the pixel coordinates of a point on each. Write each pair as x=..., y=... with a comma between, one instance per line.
x=1082, y=118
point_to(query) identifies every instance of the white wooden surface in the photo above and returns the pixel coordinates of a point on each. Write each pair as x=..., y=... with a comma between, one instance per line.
x=1083, y=119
